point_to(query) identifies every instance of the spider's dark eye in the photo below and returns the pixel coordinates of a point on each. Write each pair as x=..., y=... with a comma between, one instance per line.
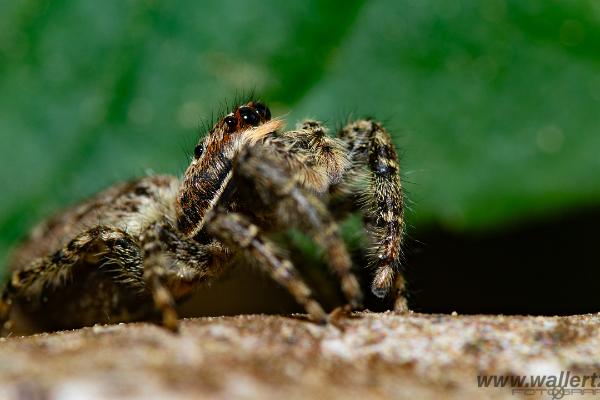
x=231, y=123
x=263, y=111
x=198, y=150
x=249, y=116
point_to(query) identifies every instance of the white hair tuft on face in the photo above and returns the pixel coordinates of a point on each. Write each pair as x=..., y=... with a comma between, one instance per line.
x=255, y=134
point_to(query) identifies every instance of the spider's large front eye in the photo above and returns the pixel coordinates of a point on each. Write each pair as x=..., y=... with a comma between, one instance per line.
x=231, y=123
x=263, y=111
x=249, y=116
x=198, y=150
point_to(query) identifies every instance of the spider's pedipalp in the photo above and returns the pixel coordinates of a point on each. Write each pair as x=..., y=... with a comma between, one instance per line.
x=317, y=160
x=329, y=152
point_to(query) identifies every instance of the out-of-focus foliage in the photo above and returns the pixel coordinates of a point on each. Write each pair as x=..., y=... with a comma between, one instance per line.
x=494, y=103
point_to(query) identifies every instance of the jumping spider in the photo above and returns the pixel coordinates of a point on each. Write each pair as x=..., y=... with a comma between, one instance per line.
x=142, y=246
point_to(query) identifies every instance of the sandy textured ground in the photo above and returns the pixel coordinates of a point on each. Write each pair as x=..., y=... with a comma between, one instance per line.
x=271, y=357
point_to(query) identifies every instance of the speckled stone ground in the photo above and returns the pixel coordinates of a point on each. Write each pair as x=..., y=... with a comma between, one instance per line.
x=271, y=357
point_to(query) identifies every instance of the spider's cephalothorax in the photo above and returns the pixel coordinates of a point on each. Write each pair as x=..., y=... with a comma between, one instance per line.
x=212, y=166
x=142, y=246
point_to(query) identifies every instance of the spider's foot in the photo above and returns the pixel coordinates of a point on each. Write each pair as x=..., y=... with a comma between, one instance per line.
x=401, y=305
x=400, y=302
x=6, y=328
x=170, y=320
x=163, y=301
x=6, y=324
x=315, y=312
x=337, y=316
x=383, y=281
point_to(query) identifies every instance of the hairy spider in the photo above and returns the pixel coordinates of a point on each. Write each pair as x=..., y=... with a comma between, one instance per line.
x=138, y=248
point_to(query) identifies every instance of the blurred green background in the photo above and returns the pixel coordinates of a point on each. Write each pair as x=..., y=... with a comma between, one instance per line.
x=494, y=103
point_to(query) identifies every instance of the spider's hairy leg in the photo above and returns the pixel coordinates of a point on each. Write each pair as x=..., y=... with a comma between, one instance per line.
x=173, y=265
x=154, y=275
x=297, y=207
x=374, y=159
x=54, y=270
x=163, y=300
x=400, y=302
x=237, y=232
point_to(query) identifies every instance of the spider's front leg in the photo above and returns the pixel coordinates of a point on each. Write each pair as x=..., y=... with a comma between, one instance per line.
x=173, y=265
x=375, y=161
x=237, y=232
x=294, y=206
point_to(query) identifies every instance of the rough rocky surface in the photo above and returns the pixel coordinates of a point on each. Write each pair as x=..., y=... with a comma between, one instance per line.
x=272, y=357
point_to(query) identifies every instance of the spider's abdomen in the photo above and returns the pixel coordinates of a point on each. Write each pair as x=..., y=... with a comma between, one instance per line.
x=129, y=206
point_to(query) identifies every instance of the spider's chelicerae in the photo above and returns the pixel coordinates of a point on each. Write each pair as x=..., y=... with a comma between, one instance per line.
x=136, y=249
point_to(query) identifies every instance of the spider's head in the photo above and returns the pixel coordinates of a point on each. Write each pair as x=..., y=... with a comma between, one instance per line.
x=244, y=117
x=211, y=169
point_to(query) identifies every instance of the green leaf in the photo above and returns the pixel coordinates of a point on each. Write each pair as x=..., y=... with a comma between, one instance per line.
x=493, y=104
